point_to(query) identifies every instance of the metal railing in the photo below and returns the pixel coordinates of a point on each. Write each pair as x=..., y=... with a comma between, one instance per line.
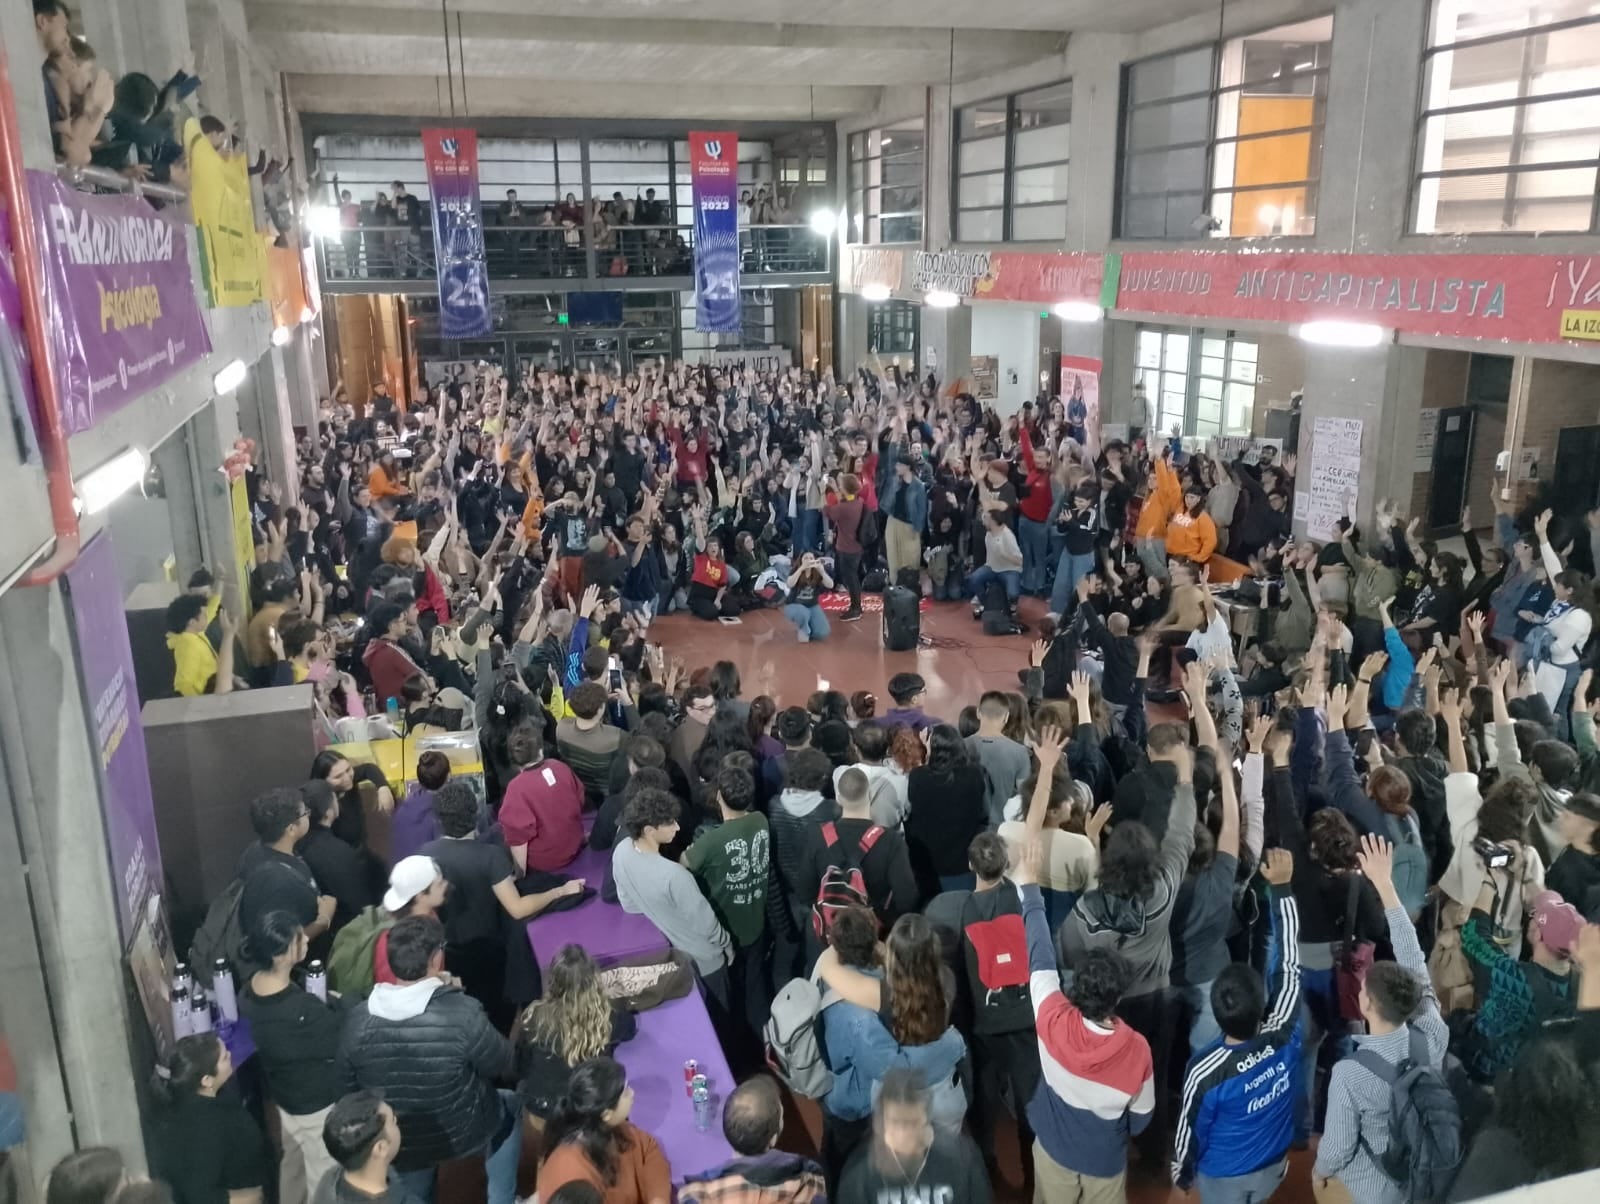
x=103, y=179
x=384, y=253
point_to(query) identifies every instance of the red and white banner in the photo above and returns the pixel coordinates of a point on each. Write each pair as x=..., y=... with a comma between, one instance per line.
x=1045, y=279
x=1511, y=298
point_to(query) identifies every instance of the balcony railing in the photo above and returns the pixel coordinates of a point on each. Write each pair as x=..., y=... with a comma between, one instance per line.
x=103, y=179
x=389, y=253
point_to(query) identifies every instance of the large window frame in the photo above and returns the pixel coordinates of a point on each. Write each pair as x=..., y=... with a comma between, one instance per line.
x=1202, y=380
x=888, y=188
x=1545, y=88
x=1198, y=114
x=998, y=125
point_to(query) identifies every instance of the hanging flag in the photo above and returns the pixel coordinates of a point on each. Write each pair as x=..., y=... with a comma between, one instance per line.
x=714, y=170
x=452, y=157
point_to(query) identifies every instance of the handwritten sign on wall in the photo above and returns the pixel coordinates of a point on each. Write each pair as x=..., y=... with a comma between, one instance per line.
x=1335, y=474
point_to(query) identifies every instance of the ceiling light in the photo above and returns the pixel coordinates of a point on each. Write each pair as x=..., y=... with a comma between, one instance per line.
x=1078, y=311
x=885, y=141
x=281, y=336
x=230, y=378
x=1303, y=66
x=324, y=221
x=941, y=299
x=101, y=486
x=875, y=292
x=1342, y=334
x=823, y=222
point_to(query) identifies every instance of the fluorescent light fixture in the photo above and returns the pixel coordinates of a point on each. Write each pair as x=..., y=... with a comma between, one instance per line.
x=99, y=487
x=874, y=292
x=941, y=299
x=306, y=315
x=324, y=221
x=1342, y=334
x=885, y=141
x=281, y=336
x=1304, y=66
x=823, y=222
x=1078, y=311
x=230, y=378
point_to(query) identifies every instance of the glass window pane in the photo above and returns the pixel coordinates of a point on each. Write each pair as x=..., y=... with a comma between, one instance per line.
x=1039, y=223
x=1051, y=144
x=1036, y=185
x=1244, y=352
x=1169, y=124
x=1213, y=347
x=1287, y=159
x=979, y=225
x=1243, y=371
x=1206, y=387
x=987, y=154
x=1210, y=365
x=1207, y=410
x=1166, y=172
x=1149, y=349
x=1045, y=106
x=1144, y=217
x=985, y=117
x=1176, y=356
x=980, y=192
x=1171, y=75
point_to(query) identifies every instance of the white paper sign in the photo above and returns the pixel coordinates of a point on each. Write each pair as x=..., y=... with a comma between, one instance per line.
x=1335, y=474
x=1427, y=436
x=1227, y=448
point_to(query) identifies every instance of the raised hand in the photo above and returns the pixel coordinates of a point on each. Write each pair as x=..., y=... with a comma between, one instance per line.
x=1036, y=653
x=1048, y=747
x=1277, y=866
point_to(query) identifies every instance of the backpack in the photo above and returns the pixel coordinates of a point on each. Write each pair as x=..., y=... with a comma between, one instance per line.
x=1425, y=1147
x=867, y=529
x=793, y=1050
x=997, y=968
x=220, y=934
x=842, y=885
x=1410, y=862
x=352, y=962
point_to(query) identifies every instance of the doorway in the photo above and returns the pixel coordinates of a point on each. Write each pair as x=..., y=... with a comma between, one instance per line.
x=1575, y=486
x=1452, y=464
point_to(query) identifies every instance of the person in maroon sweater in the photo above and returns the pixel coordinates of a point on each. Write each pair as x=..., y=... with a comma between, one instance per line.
x=542, y=815
x=845, y=515
x=388, y=664
x=1033, y=517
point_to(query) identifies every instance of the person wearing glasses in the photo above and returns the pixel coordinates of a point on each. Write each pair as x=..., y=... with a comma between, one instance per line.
x=274, y=877
x=699, y=708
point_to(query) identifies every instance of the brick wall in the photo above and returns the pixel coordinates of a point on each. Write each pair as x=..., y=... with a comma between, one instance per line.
x=1560, y=395
x=1444, y=384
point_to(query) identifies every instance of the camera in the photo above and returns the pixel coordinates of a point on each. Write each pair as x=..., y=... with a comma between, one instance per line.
x=1495, y=856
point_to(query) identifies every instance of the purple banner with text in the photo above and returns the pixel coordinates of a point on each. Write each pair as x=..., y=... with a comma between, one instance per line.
x=120, y=292
x=105, y=668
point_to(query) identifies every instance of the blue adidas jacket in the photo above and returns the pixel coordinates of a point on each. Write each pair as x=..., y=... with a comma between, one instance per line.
x=1238, y=1100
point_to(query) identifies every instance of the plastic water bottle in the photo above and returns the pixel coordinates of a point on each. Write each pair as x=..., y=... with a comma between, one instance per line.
x=317, y=980
x=199, y=1011
x=392, y=709
x=222, y=990
x=702, y=1108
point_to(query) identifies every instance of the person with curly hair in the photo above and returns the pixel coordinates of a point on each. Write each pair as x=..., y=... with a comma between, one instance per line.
x=574, y=1021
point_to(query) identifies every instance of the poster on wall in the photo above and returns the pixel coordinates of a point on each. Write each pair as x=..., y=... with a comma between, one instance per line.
x=1427, y=436
x=1335, y=475
x=714, y=173
x=105, y=671
x=219, y=196
x=120, y=296
x=452, y=158
x=1080, y=394
x=986, y=377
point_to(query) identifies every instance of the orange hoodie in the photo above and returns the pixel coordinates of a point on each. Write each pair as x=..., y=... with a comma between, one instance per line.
x=1192, y=538
x=382, y=485
x=1161, y=505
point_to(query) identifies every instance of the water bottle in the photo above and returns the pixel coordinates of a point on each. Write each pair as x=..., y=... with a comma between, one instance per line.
x=199, y=1012
x=222, y=991
x=180, y=1010
x=317, y=980
x=392, y=709
x=702, y=1108
x=181, y=977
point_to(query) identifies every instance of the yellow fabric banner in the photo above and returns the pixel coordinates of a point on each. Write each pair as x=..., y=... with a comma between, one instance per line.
x=220, y=197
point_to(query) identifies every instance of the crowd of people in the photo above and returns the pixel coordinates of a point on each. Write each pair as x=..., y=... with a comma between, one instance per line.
x=1181, y=904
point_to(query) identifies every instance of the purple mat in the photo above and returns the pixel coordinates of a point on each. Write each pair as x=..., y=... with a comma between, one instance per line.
x=604, y=929
x=669, y=1035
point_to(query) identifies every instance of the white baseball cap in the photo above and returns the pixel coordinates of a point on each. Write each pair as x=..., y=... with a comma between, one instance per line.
x=409, y=878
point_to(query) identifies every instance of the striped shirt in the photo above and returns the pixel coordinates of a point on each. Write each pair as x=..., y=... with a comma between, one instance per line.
x=1097, y=1086
x=1357, y=1126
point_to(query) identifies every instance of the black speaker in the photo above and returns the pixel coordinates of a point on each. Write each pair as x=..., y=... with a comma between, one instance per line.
x=902, y=619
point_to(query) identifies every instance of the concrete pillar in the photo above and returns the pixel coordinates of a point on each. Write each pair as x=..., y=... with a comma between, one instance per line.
x=850, y=340
x=1118, y=353
x=21, y=47
x=1096, y=71
x=947, y=341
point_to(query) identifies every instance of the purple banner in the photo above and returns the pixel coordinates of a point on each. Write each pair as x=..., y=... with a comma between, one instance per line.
x=714, y=171
x=105, y=669
x=452, y=157
x=120, y=292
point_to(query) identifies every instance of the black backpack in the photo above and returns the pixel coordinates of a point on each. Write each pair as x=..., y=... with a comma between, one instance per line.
x=1425, y=1131
x=996, y=952
x=867, y=529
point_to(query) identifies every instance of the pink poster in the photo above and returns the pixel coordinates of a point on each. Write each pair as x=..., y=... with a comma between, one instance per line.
x=1080, y=394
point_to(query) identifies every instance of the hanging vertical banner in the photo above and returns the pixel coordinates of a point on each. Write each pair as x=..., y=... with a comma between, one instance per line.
x=714, y=169
x=458, y=232
x=105, y=666
x=1080, y=392
x=224, y=212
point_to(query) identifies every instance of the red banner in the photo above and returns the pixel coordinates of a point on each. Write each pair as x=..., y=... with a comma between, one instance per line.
x=1046, y=279
x=1511, y=298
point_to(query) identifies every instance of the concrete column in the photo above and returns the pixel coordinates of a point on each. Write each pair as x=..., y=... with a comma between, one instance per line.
x=49, y=766
x=212, y=432
x=1379, y=385
x=937, y=228
x=850, y=340
x=1095, y=62
x=947, y=341
x=21, y=46
x=1118, y=353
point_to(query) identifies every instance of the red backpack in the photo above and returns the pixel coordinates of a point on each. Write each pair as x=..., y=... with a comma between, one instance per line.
x=997, y=967
x=842, y=885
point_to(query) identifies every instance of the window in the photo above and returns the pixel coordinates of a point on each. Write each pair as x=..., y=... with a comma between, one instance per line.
x=1509, y=134
x=1225, y=140
x=1200, y=382
x=893, y=327
x=886, y=170
x=1011, y=167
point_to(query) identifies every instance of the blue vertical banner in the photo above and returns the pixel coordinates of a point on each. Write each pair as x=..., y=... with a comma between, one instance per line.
x=714, y=170
x=452, y=157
